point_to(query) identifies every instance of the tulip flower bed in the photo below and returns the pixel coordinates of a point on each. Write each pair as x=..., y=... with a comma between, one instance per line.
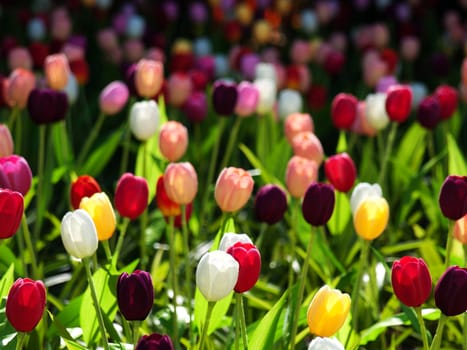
x=233, y=175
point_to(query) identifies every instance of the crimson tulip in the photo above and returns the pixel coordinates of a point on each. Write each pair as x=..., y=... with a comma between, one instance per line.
x=447, y=97
x=15, y=174
x=11, y=212
x=318, y=204
x=25, y=304
x=453, y=197
x=411, y=281
x=249, y=261
x=131, y=195
x=270, y=204
x=398, y=103
x=344, y=110
x=135, y=295
x=155, y=341
x=451, y=291
x=83, y=186
x=341, y=172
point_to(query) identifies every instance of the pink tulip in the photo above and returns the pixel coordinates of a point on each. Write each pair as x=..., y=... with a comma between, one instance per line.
x=247, y=99
x=181, y=182
x=15, y=174
x=19, y=57
x=21, y=83
x=296, y=123
x=149, y=77
x=179, y=88
x=113, y=97
x=307, y=145
x=233, y=189
x=300, y=173
x=173, y=140
x=6, y=141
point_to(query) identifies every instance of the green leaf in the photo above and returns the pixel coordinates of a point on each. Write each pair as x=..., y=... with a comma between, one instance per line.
x=341, y=214
x=7, y=281
x=7, y=258
x=218, y=313
x=62, y=145
x=265, y=175
x=72, y=345
x=150, y=163
x=457, y=165
x=68, y=317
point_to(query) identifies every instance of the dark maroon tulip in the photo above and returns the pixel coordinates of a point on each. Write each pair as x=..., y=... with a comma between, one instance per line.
x=451, y=291
x=447, y=97
x=344, y=110
x=155, y=341
x=131, y=195
x=47, y=106
x=224, y=97
x=318, y=204
x=429, y=112
x=341, y=172
x=453, y=197
x=135, y=295
x=411, y=281
x=25, y=304
x=270, y=204
x=196, y=107
x=249, y=262
x=11, y=212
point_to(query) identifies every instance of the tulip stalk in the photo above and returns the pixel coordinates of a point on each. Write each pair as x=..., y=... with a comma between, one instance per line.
x=363, y=261
x=207, y=319
x=135, y=327
x=241, y=323
x=92, y=137
x=188, y=272
x=20, y=340
x=423, y=332
x=172, y=258
x=40, y=176
x=436, y=344
x=387, y=153
x=100, y=319
x=231, y=142
x=121, y=238
x=449, y=242
x=30, y=247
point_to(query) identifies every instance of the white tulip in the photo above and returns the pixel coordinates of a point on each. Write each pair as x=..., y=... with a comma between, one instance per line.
x=376, y=110
x=290, y=101
x=144, y=119
x=216, y=275
x=362, y=191
x=325, y=344
x=71, y=89
x=267, y=94
x=79, y=235
x=230, y=238
x=266, y=71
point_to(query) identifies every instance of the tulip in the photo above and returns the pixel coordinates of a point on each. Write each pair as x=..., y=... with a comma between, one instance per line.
x=135, y=295
x=248, y=64
x=224, y=97
x=100, y=209
x=249, y=261
x=327, y=311
x=144, y=119
x=15, y=174
x=179, y=88
x=267, y=95
x=371, y=217
x=79, y=235
x=318, y=204
x=290, y=101
x=154, y=341
x=11, y=212
x=361, y=125
x=270, y=204
x=410, y=47
x=341, y=172
x=131, y=196
x=181, y=182
x=229, y=239
x=21, y=83
x=344, y=110
x=57, y=70
x=233, y=189
x=460, y=229
x=46, y=106
x=173, y=140
x=300, y=173
x=296, y=123
x=317, y=97
x=362, y=191
x=398, y=103
x=376, y=110
x=19, y=57
x=6, y=141
x=450, y=291
x=196, y=107
x=265, y=70
x=411, y=281
x=113, y=97
x=325, y=344
x=25, y=304
x=168, y=207
x=447, y=97
x=247, y=101
x=149, y=76
x=453, y=197
x=216, y=275
x=429, y=112
x=307, y=145
x=83, y=186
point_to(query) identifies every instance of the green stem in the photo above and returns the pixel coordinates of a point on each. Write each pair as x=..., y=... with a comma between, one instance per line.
x=40, y=180
x=18, y=132
x=126, y=151
x=436, y=344
x=108, y=253
x=22, y=253
x=232, y=139
x=15, y=111
x=100, y=319
x=21, y=338
x=121, y=238
x=173, y=273
x=262, y=232
x=449, y=245
x=207, y=319
x=241, y=319
x=301, y=289
x=135, y=326
x=295, y=203
x=188, y=272
x=142, y=239
x=423, y=332
x=387, y=154
x=30, y=247
x=90, y=140
x=355, y=293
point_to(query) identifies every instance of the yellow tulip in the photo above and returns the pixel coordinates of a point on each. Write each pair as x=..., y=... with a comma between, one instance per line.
x=102, y=213
x=327, y=311
x=371, y=217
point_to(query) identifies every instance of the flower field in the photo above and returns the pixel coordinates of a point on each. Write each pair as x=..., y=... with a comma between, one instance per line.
x=233, y=174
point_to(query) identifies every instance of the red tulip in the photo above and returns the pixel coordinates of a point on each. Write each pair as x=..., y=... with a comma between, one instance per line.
x=83, y=186
x=341, y=172
x=11, y=212
x=344, y=110
x=249, y=261
x=447, y=97
x=411, y=281
x=25, y=304
x=131, y=196
x=318, y=204
x=398, y=103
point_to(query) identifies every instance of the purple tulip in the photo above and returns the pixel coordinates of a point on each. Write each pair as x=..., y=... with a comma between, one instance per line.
x=451, y=291
x=429, y=112
x=318, y=204
x=155, y=341
x=453, y=197
x=270, y=204
x=135, y=295
x=224, y=97
x=47, y=106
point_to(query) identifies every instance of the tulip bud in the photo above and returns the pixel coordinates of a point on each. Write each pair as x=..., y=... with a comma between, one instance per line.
x=57, y=71
x=344, y=110
x=113, y=97
x=296, y=123
x=21, y=83
x=300, y=173
x=173, y=140
x=398, y=103
x=249, y=261
x=460, y=229
x=247, y=101
x=196, y=107
x=144, y=119
x=270, y=204
x=179, y=88
x=149, y=76
x=216, y=275
x=362, y=191
x=83, y=186
x=453, y=197
x=447, y=97
x=429, y=112
x=6, y=141
x=25, y=304
x=290, y=101
x=131, y=196
x=229, y=239
x=233, y=189
x=318, y=204
x=411, y=281
x=319, y=343
x=376, y=110
x=450, y=291
x=100, y=209
x=154, y=341
x=79, y=235
x=361, y=125
x=19, y=57
x=307, y=145
x=168, y=207
x=341, y=172
x=135, y=295
x=327, y=311
x=181, y=182
x=224, y=97
x=46, y=106
x=15, y=174
x=371, y=217
x=11, y=212
x=267, y=95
